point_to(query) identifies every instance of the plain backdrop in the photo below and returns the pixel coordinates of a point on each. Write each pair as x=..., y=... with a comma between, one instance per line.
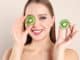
x=12, y=9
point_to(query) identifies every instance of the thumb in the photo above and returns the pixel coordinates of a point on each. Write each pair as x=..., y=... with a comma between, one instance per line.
x=25, y=33
x=61, y=34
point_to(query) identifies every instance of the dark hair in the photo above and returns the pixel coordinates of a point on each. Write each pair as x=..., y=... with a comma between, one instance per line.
x=47, y=4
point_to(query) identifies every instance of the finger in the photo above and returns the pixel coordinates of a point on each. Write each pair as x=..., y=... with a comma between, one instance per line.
x=74, y=31
x=71, y=32
x=67, y=33
x=61, y=34
x=25, y=35
x=21, y=22
x=18, y=25
x=71, y=29
x=26, y=32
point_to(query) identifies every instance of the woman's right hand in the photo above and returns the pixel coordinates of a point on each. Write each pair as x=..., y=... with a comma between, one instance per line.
x=19, y=34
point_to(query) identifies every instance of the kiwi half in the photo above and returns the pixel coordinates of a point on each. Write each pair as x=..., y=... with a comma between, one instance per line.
x=64, y=23
x=30, y=20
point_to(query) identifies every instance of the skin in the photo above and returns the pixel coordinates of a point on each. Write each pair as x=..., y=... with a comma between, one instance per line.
x=41, y=48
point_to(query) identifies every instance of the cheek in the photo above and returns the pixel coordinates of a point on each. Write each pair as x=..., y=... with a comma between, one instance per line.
x=46, y=24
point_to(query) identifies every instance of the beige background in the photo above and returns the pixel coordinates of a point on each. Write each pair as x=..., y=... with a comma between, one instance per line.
x=11, y=9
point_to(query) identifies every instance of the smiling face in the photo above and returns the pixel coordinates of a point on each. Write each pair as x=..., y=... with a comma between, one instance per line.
x=44, y=21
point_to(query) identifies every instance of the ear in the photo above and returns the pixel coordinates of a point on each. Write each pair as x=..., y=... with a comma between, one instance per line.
x=53, y=21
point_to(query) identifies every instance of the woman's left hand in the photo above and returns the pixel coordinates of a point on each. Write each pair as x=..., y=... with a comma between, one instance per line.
x=65, y=36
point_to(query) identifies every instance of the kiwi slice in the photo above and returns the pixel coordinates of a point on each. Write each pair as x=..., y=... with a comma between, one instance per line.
x=30, y=20
x=64, y=23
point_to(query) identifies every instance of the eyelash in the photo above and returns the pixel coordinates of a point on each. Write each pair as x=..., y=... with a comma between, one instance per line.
x=42, y=18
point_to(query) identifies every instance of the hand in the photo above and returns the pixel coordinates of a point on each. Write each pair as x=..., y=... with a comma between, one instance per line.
x=65, y=36
x=19, y=34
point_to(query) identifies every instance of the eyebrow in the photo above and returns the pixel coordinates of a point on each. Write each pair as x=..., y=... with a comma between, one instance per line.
x=42, y=14
x=38, y=14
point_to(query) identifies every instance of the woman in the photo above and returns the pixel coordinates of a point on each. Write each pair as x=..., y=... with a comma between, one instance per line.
x=37, y=41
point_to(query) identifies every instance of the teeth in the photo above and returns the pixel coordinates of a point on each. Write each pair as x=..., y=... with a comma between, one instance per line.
x=36, y=31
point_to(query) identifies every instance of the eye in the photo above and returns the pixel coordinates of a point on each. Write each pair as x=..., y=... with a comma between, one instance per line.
x=42, y=18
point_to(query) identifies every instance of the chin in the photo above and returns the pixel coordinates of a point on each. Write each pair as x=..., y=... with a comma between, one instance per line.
x=38, y=38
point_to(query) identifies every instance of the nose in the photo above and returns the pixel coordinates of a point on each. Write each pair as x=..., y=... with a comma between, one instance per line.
x=36, y=24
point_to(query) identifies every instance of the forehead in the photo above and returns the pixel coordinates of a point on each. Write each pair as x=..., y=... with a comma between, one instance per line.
x=36, y=8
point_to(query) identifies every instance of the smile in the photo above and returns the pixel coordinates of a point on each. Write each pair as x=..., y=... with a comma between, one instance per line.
x=37, y=31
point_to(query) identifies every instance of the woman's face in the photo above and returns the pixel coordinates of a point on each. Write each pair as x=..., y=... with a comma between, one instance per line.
x=43, y=23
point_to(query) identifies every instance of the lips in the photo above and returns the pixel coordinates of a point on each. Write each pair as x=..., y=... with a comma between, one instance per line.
x=36, y=31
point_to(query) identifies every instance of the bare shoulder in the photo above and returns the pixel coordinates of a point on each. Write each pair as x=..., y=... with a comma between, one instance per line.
x=71, y=54
x=7, y=54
